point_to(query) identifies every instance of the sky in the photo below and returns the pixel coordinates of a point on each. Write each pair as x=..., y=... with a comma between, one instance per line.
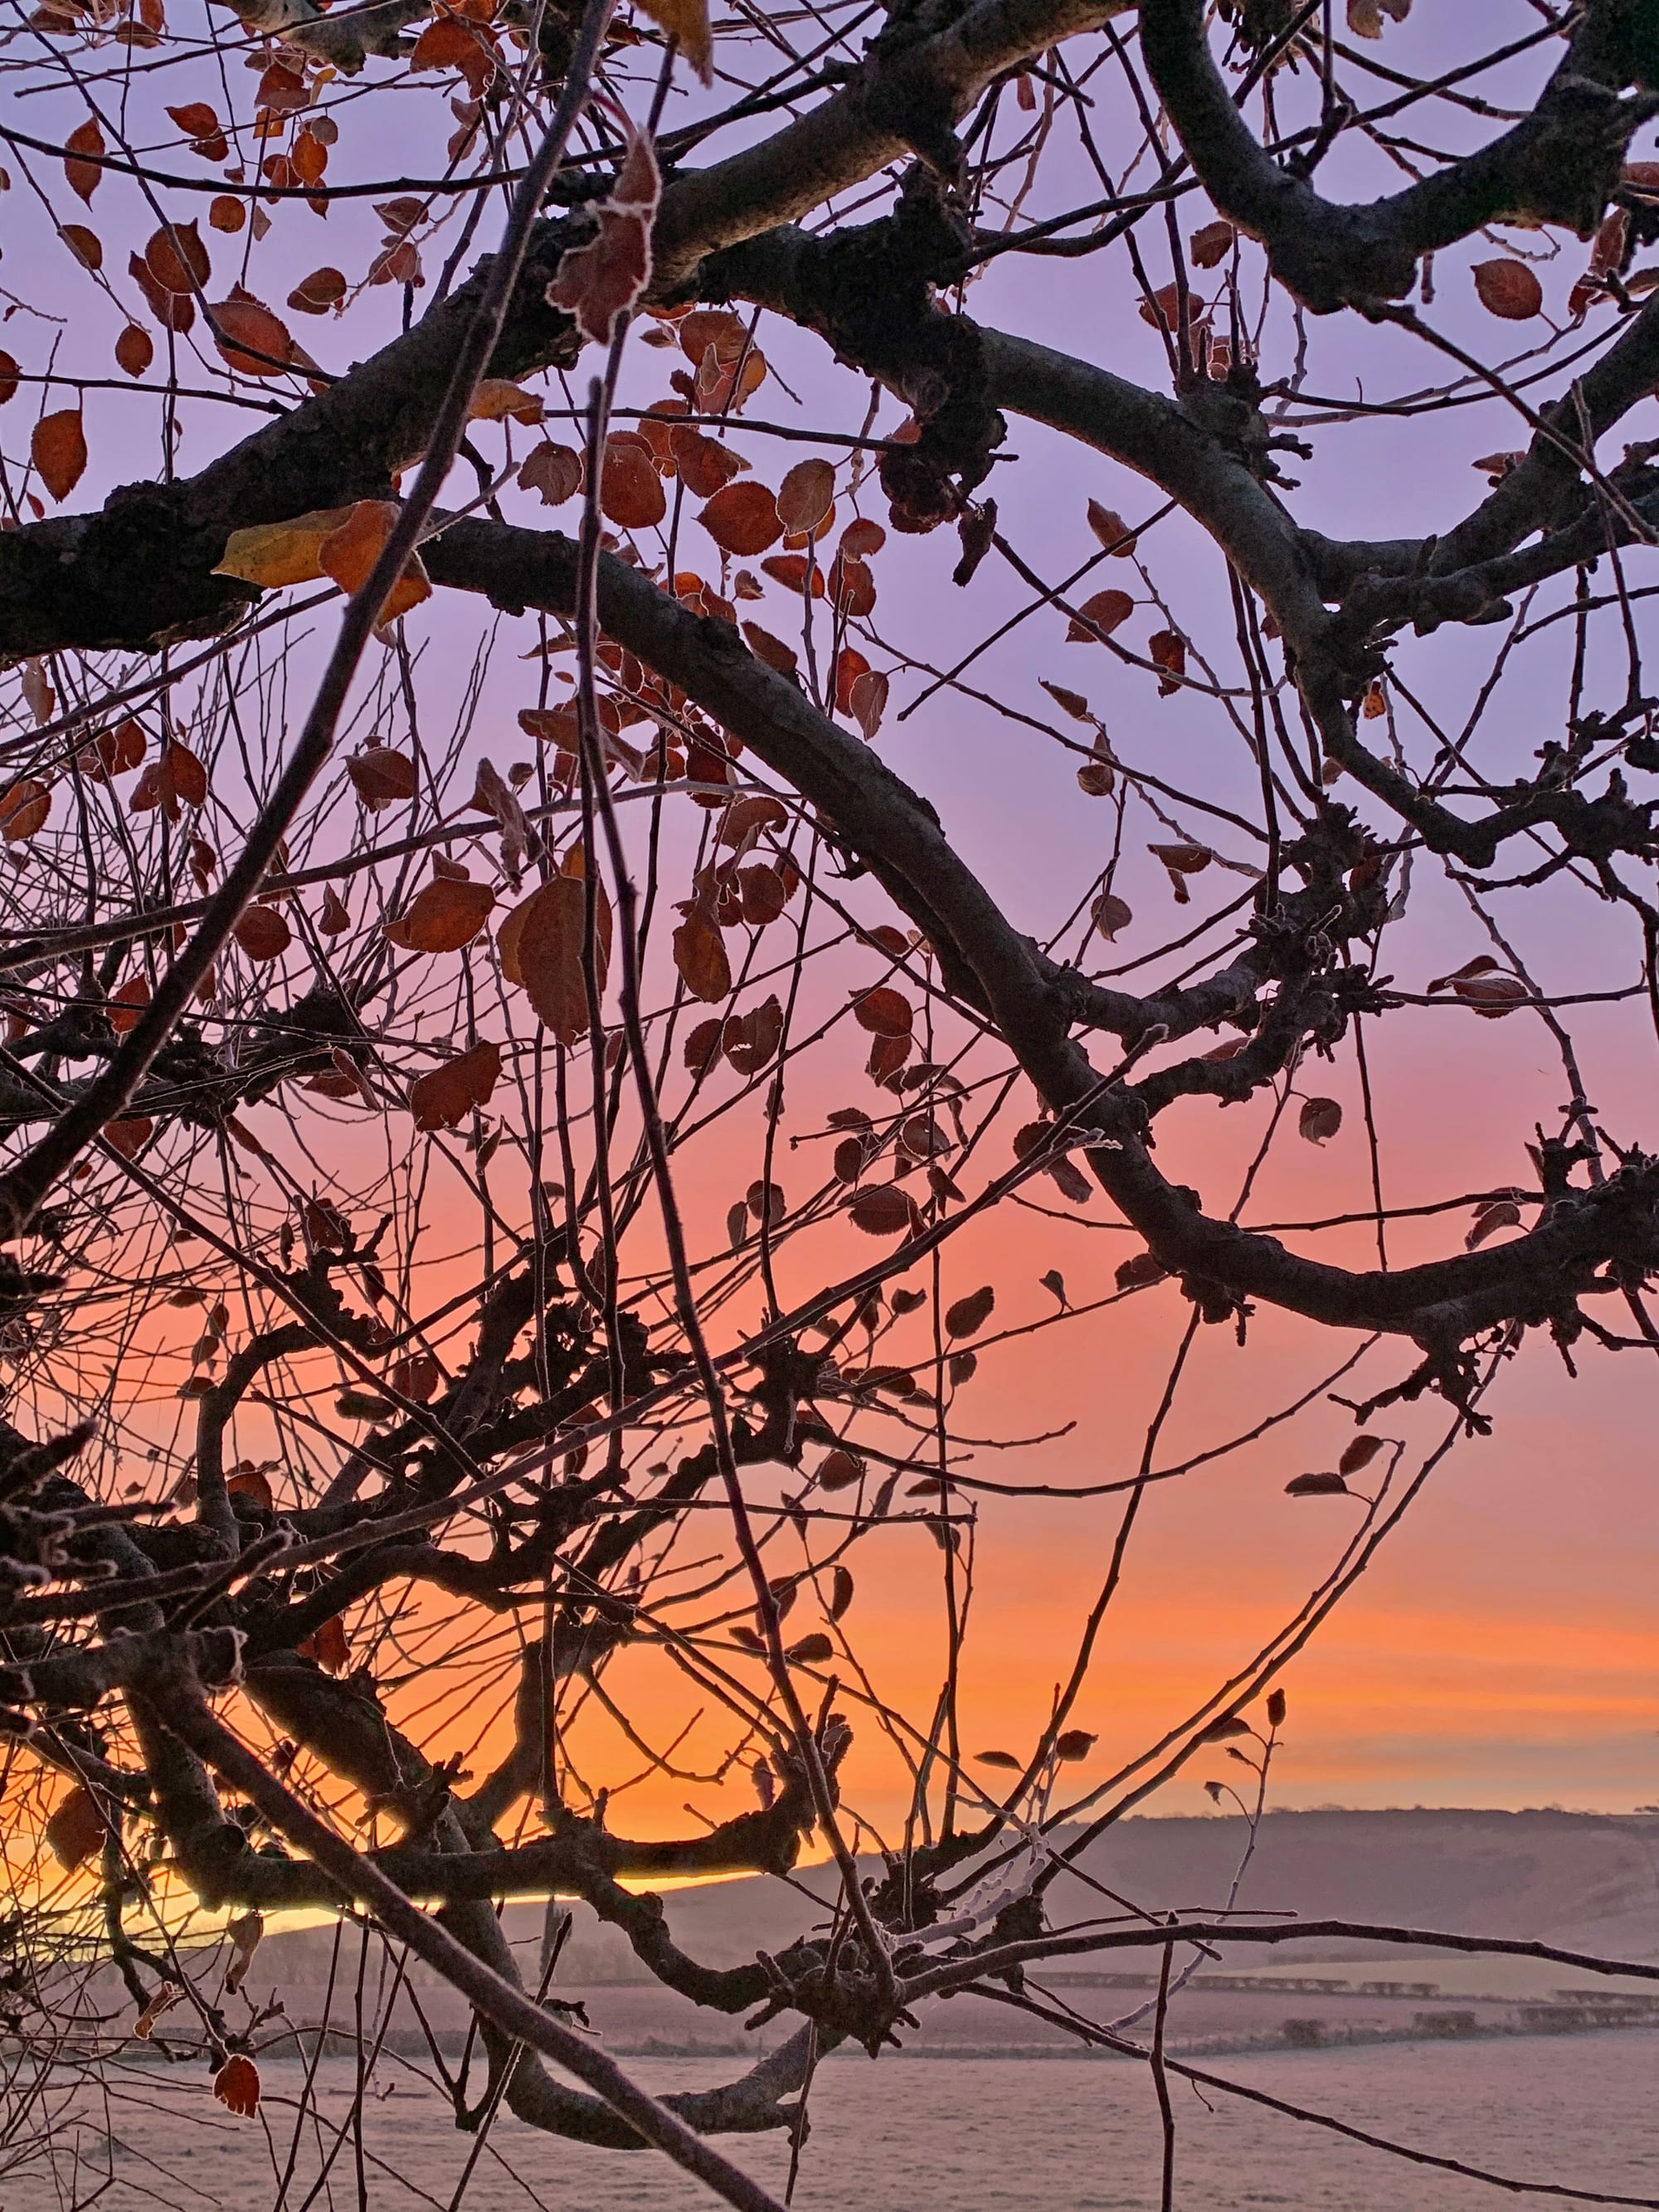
x=1503, y=1648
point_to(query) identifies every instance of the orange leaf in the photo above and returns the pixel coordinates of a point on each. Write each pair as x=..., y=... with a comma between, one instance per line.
x=251, y=339
x=743, y=519
x=124, y=1006
x=700, y=955
x=24, y=806
x=687, y=23
x=85, y=245
x=77, y=1828
x=250, y=1483
x=10, y=374
x=705, y=466
x=84, y=177
x=596, y=282
x=349, y=555
x=176, y=259
x=236, y=2085
x=442, y=916
x=630, y=490
x=59, y=450
x=330, y=1646
x=128, y=1137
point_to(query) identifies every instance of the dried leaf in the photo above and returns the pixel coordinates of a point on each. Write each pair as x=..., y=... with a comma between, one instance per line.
x=1005, y=1760
x=885, y=1013
x=1319, y=1120
x=244, y=1933
x=348, y=554
x=77, y=1828
x=700, y=955
x=58, y=448
x=262, y=933
x=236, y=2085
x=1360, y=1454
x=556, y=471
x=274, y=554
x=443, y=916
x=1110, y=916
x=1135, y=1273
x=1111, y=530
x=135, y=350
x=1074, y=1744
x=687, y=23
x=316, y=294
x=1277, y=1708
x=1501, y=1213
x=596, y=282
x=839, y=1470
x=805, y=497
x=494, y=398
x=445, y=1098
x=886, y=1211
x=1210, y=245
x=10, y=375
x=548, y=936
x=750, y=1040
x=1316, y=1485
x=163, y=2001
x=630, y=490
x=1167, y=649
x=24, y=806
x=250, y=338
x=742, y=518
x=1509, y=289
x=1101, y=613
x=83, y=176
x=966, y=1317
x=811, y=1651
x=381, y=777
x=867, y=700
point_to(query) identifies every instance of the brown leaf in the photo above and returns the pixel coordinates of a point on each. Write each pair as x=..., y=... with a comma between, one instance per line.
x=547, y=945
x=163, y=2001
x=805, y=497
x=336, y=916
x=630, y=490
x=1110, y=916
x=381, y=777
x=1103, y=612
x=124, y=1006
x=750, y=1040
x=1501, y=1213
x=556, y=471
x=597, y=281
x=250, y=338
x=135, y=350
x=1070, y=703
x=700, y=955
x=811, y=1651
x=1111, y=530
x=1005, y=1760
x=1360, y=1454
x=1491, y=996
x=1320, y=1119
x=442, y=916
x=1316, y=1485
x=24, y=806
x=705, y=466
x=177, y=260
x=77, y=1828
x=1074, y=1744
x=244, y=1933
x=742, y=518
x=496, y=399
x=262, y=933
x=1135, y=1273
x=1482, y=965
x=10, y=375
x=686, y=21
x=316, y=294
x=236, y=2085
x=58, y=446
x=886, y=1211
x=444, y=1099
x=867, y=700
x=885, y=1013
x=1212, y=243
x=839, y=1470
x=772, y=650
x=1509, y=289
x=83, y=176
x=702, y=1049
x=85, y=245
x=966, y=1317
x=1167, y=649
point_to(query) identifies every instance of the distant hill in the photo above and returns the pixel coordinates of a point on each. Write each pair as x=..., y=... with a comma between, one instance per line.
x=1582, y=1880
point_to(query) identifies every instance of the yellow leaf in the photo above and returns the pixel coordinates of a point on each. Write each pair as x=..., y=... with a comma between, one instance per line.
x=498, y=395
x=688, y=22
x=272, y=554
